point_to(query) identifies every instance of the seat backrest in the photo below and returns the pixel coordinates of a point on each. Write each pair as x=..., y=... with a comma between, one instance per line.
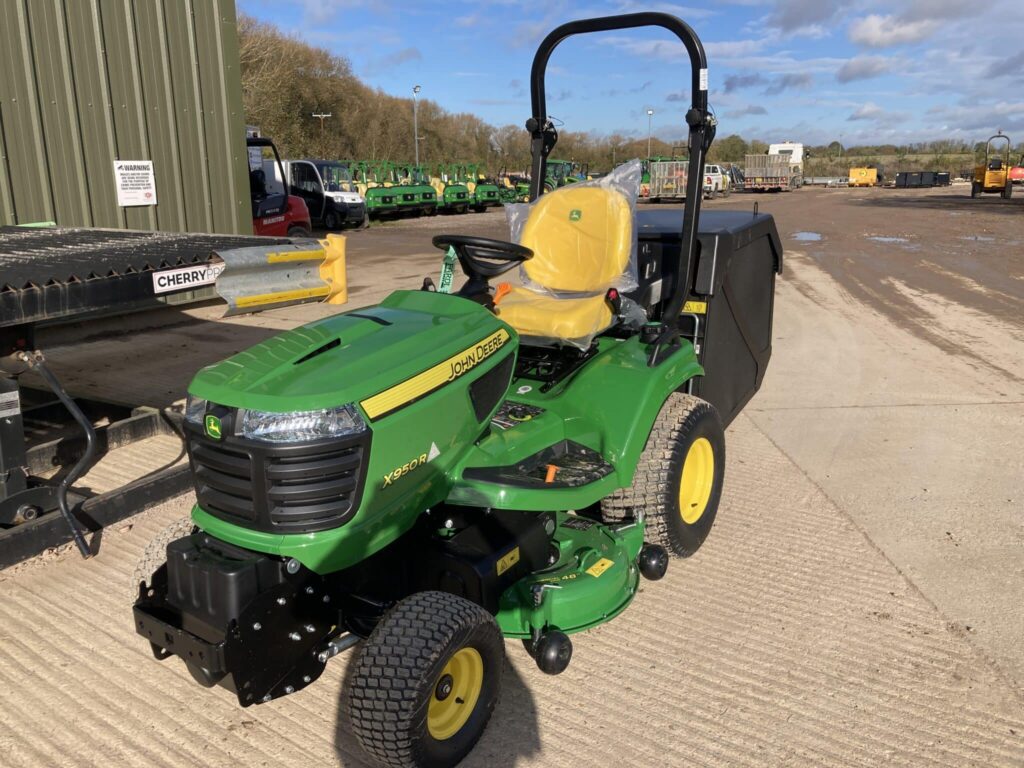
x=996, y=164
x=581, y=238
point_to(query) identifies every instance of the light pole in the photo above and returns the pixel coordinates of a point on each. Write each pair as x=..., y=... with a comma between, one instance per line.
x=650, y=116
x=415, y=122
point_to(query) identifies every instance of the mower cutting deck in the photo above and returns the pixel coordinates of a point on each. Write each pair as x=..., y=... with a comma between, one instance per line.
x=429, y=476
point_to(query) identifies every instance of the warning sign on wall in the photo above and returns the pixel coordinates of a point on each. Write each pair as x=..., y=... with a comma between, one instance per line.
x=135, y=182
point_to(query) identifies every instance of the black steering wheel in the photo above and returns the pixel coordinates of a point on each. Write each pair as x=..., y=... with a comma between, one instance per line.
x=482, y=258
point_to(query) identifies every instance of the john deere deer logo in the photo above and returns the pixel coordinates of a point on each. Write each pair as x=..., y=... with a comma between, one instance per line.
x=575, y=214
x=212, y=424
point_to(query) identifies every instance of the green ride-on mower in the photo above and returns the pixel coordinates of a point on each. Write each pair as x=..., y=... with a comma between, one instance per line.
x=484, y=189
x=428, y=477
x=453, y=194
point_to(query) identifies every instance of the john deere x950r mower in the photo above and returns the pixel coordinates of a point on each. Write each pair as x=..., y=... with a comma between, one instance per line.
x=428, y=477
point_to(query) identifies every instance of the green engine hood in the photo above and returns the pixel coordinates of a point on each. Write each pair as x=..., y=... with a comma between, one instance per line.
x=348, y=357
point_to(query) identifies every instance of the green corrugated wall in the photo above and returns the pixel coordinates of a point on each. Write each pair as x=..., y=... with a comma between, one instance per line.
x=86, y=82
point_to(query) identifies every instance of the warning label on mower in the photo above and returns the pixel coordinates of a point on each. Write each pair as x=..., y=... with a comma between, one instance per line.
x=186, y=277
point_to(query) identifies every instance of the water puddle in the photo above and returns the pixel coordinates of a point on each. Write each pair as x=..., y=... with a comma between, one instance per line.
x=880, y=239
x=978, y=238
x=807, y=236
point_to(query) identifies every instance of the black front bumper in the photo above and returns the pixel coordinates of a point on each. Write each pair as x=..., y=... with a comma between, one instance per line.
x=350, y=213
x=238, y=619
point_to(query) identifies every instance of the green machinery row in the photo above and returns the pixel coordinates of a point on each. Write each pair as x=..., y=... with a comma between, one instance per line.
x=391, y=188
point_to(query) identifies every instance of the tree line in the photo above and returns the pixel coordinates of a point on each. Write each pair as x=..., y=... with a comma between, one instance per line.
x=285, y=81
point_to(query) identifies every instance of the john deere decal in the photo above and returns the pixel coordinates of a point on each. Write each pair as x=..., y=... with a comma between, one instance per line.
x=212, y=424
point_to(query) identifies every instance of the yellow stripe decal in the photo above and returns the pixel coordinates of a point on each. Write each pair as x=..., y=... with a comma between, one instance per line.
x=434, y=378
x=280, y=296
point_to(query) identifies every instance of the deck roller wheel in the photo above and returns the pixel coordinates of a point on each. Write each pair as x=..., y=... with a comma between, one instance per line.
x=678, y=480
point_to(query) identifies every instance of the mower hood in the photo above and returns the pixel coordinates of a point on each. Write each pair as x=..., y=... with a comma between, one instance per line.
x=353, y=356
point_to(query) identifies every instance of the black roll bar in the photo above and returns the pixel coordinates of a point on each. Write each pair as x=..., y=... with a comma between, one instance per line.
x=701, y=124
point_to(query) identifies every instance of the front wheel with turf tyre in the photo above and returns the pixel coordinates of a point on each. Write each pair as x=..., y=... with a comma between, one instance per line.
x=155, y=554
x=1008, y=190
x=426, y=681
x=678, y=480
x=975, y=189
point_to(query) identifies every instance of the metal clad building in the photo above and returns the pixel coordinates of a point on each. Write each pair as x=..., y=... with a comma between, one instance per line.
x=86, y=82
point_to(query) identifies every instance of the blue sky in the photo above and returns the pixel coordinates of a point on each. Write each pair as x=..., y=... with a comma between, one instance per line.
x=869, y=71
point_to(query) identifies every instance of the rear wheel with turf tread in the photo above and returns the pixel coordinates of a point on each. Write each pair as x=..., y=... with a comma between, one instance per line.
x=426, y=681
x=155, y=553
x=678, y=480
x=975, y=189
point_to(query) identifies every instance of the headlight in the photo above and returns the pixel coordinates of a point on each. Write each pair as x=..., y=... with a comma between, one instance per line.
x=299, y=426
x=195, y=408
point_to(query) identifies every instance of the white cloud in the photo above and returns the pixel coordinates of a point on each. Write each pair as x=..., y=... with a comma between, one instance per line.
x=792, y=16
x=385, y=64
x=862, y=68
x=791, y=80
x=670, y=50
x=733, y=48
x=868, y=111
x=872, y=112
x=752, y=109
x=877, y=31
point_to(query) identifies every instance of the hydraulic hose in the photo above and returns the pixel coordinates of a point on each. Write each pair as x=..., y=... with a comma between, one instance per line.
x=37, y=362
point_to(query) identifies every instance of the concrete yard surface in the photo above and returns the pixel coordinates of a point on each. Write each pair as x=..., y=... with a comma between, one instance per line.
x=858, y=603
x=787, y=640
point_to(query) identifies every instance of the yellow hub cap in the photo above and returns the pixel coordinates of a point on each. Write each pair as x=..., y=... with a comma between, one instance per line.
x=697, y=480
x=455, y=693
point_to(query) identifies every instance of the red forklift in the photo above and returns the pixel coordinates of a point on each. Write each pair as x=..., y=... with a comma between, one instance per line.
x=276, y=212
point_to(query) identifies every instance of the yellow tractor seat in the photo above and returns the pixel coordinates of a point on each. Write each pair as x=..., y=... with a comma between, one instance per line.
x=582, y=240
x=545, y=317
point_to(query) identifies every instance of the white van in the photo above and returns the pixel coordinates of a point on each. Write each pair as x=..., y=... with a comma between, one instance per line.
x=329, y=192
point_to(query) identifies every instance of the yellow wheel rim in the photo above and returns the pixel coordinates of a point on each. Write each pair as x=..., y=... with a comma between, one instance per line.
x=697, y=480
x=455, y=693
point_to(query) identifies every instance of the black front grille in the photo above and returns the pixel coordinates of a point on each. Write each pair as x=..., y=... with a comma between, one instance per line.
x=408, y=197
x=279, y=488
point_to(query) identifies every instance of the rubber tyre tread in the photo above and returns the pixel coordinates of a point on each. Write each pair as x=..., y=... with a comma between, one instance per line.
x=155, y=553
x=398, y=667
x=682, y=419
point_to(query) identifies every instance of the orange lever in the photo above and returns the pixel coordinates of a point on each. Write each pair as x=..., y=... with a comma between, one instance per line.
x=501, y=291
x=552, y=469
